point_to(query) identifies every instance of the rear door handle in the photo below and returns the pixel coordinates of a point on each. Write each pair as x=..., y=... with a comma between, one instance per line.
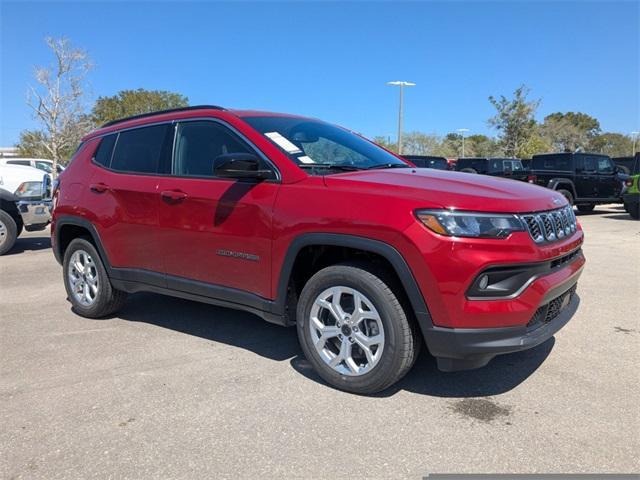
x=173, y=196
x=98, y=187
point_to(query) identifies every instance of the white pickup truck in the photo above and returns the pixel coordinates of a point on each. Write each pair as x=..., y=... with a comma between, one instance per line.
x=25, y=203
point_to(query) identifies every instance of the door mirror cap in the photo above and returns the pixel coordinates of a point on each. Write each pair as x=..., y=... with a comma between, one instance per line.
x=240, y=165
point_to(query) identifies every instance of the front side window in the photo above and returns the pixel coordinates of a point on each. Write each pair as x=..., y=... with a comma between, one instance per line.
x=44, y=166
x=605, y=166
x=143, y=150
x=320, y=147
x=200, y=144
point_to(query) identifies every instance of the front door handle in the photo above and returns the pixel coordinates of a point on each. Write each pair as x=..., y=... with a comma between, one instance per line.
x=173, y=196
x=98, y=187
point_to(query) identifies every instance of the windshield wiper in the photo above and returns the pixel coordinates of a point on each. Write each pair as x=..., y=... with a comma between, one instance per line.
x=389, y=165
x=331, y=166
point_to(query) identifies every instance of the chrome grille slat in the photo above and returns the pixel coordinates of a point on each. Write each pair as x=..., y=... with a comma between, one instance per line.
x=550, y=226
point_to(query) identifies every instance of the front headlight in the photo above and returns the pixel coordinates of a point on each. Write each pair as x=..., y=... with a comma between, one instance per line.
x=470, y=224
x=29, y=189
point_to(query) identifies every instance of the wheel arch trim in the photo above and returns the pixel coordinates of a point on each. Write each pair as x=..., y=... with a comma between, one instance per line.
x=556, y=183
x=388, y=252
x=87, y=225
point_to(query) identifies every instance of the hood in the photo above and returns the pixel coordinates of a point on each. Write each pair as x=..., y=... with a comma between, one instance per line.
x=430, y=188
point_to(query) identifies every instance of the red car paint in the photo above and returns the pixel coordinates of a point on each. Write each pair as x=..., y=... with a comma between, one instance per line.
x=141, y=230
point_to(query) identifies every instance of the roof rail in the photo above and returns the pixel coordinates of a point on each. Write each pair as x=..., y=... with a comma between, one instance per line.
x=158, y=112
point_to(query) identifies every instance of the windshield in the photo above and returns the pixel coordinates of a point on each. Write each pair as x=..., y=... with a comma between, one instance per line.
x=321, y=147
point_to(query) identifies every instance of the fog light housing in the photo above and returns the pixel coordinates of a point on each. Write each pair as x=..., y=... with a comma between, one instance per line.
x=483, y=282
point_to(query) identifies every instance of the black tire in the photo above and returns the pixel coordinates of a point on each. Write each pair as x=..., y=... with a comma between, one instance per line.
x=107, y=300
x=469, y=170
x=401, y=338
x=567, y=194
x=586, y=207
x=633, y=209
x=8, y=232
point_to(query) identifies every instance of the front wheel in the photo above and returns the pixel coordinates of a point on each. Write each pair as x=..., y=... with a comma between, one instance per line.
x=586, y=207
x=8, y=232
x=633, y=209
x=567, y=194
x=353, y=329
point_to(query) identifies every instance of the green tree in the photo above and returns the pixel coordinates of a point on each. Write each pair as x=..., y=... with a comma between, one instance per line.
x=386, y=143
x=418, y=143
x=133, y=102
x=481, y=146
x=514, y=120
x=535, y=144
x=612, y=144
x=567, y=132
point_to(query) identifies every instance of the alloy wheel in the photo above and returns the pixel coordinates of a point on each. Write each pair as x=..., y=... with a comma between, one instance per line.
x=346, y=330
x=3, y=233
x=83, y=278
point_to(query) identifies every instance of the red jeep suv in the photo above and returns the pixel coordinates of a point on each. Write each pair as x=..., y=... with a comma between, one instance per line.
x=305, y=223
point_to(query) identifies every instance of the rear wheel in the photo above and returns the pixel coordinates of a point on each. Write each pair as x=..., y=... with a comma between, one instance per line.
x=354, y=330
x=567, y=194
x=85, y=279
x=633, y=209
x=586, y=207
x=8, y=232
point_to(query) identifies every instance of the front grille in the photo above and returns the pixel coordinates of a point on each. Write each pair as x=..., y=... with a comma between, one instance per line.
x=551, y=310
x=545, y=227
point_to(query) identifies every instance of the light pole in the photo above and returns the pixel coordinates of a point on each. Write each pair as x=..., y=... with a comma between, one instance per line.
x=462, y=132
x=400, y=84
x=635, y=139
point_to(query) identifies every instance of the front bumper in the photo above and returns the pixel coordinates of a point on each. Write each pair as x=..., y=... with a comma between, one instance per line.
x=468, y=348
x=36, y=214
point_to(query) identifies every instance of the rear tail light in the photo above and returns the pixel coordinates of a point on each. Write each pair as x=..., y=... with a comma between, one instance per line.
x=532, y=178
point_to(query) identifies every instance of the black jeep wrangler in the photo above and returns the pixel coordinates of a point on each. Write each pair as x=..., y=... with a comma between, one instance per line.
x=585, y=179
x=496, y=167
x=428, y=161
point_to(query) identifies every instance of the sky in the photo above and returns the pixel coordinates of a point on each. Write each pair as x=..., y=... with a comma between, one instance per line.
x=332, y=60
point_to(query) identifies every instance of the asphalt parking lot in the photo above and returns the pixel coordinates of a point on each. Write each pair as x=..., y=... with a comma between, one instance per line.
x=176, y=389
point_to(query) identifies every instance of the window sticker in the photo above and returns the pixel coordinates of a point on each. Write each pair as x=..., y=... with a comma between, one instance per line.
x=282, y=142
x=306, y=159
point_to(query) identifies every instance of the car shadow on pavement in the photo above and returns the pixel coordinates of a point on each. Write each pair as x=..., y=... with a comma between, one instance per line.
x=231, y=327
x=29, y=244
x=244, y=330
x=502, y=374
x=620, y=216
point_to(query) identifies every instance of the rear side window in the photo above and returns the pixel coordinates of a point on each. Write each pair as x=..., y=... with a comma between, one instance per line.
x=143, y=150
x=552, y=162
x=104, y=151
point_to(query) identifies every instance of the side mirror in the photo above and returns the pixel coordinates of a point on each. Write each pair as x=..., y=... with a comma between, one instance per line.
x=240, y=165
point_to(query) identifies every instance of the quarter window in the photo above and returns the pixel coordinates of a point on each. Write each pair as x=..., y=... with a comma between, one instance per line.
x=143, y=150
x=104, y=151
x=199, y=146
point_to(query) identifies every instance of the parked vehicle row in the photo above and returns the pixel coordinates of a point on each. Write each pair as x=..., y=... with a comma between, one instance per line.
x=307, y=224
x=23, y=202
x=43, y=164
x=584, y=179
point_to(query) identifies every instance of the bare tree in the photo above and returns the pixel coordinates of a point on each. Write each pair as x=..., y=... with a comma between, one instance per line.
x=57, y=99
